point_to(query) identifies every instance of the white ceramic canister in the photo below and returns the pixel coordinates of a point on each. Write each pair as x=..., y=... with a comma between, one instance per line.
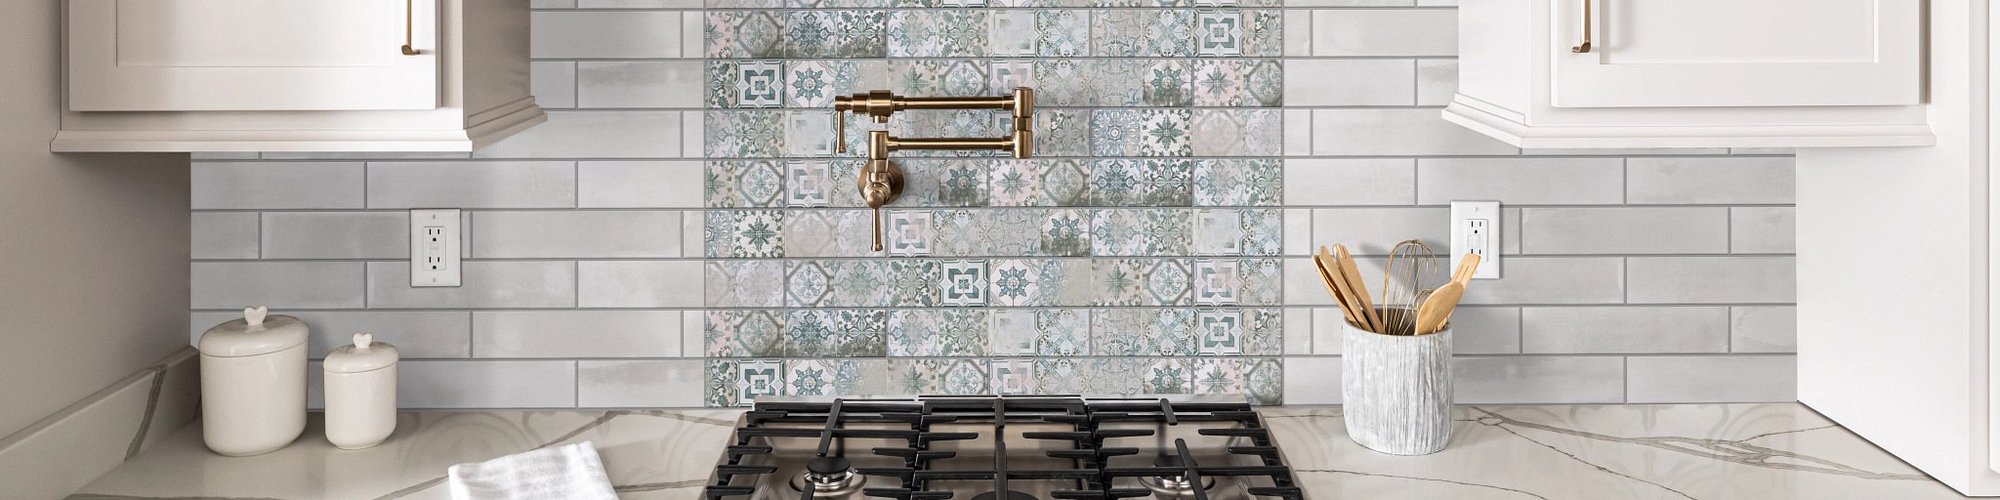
x=253, y=383
x=360, y=393
x=1396, y=389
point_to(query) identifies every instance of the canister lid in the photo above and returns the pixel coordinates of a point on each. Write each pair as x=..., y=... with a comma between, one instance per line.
x=364, y=355
x=254, y=334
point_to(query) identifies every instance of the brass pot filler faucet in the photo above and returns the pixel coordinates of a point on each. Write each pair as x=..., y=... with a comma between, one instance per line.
x=881, y=182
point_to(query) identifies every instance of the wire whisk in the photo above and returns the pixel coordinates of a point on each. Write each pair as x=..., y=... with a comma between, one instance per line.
x=1410, y=262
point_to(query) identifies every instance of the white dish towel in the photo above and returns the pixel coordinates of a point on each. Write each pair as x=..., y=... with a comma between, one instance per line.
x=571, y=472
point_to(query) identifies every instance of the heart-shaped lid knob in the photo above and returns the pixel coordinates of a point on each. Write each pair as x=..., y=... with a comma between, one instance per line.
x=254, y=315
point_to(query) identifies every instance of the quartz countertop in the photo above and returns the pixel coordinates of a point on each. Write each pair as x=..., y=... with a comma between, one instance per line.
x=1733, y=451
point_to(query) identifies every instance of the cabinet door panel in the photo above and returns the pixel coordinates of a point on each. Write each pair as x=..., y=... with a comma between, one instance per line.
x=1689, y=53
x=230, y=55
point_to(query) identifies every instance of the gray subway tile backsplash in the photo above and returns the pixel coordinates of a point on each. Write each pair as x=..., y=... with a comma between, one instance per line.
x=682, y=213
x=280, y=285
x=576, y=334
x=274, y=185
x=576, y=234
x=336, y=235
x=472, y=184
x=487, y=285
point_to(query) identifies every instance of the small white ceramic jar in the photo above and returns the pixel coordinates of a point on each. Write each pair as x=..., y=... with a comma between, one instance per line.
x=253, y=383
x=360, y=393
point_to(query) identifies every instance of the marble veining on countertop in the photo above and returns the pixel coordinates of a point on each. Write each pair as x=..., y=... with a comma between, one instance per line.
x=1724, y=451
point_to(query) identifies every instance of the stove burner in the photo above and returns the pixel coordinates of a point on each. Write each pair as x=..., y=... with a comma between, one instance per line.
x=1011, y=495
x=1173, y=487
x=829, y=477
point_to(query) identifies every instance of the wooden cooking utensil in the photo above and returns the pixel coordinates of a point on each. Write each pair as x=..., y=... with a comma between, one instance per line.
x=1466, y=266
x=1431, y=316
x=1326, y=278
x=1344, y=291
x=1352, y=274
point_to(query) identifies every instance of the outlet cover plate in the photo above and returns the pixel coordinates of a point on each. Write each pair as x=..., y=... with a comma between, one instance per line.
x=1475, y=228
x=435, y=239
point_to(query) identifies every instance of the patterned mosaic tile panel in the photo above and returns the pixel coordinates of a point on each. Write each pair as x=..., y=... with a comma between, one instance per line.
x=1136, y=253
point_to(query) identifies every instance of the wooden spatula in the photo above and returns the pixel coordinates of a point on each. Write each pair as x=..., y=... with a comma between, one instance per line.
x=1352, y=274
x=1466, y=266
x=1433, y=313
x=1344, y=291
x=1332, y=289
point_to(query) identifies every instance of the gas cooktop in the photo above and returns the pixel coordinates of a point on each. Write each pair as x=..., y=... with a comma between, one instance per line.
x=1002, y=448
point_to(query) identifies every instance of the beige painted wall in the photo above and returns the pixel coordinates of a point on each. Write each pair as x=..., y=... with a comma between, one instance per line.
x=93, y=248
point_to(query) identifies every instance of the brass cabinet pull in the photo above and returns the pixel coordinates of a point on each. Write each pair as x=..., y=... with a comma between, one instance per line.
x=409, y=21
x=1585, y=46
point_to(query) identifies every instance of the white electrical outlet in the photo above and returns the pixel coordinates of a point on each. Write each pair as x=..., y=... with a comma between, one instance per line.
x=434, y=247
x=1475, y=229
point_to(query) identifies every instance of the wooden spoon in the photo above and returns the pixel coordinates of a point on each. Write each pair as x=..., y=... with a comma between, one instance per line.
x=1437, y=309
x=1352, y=274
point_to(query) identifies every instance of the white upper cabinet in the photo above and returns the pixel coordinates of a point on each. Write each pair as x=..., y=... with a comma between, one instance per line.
x=294, y=75
x=1692, y=73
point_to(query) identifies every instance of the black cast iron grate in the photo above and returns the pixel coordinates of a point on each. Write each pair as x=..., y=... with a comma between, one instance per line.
x=1087, y=450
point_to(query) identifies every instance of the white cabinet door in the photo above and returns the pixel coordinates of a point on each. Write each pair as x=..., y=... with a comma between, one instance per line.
x=257, y=55
x=1687, y=53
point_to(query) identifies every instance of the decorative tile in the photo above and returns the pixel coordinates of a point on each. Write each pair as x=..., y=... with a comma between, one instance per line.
x=908, y=233
x=958, y=233
x=1142, y=332
x=1066, y=233
x=938, y=332
x=1263, y=231
x=1264, y=381
x=760, y=84
x=757, y=378
x=1263, y=33
x=1015, y=283
x=1237, y=183
x=1003, y=77
x=743, y=34
x=827, y=233
x=1014, y=332
x=807, y=284
x=722, y=377
x=742, y=334
x=807, y=183
x=937, y=33
x=912, y=283
x=964, y=377
x=1219, y=33
x=963, y=283
x=1218, y=232
x=746, y=184
x=1013, y=376
x=1217, y=375
x=858, y=282
x=1167, y=83
x=1219, y=332
x=1062, y=332
x=1143, y=33
x=720, y=79
x=808, y=133
x=1168, y=376
x=745, y=283
x=1215, y=282
x=1141, y=183
x=1012, y=33
x=1062, y=132
x=809, y=84
x=1062, y=33
x=1221, y=82
x=1117, y=377
x=745, y=134
x=1061, y=375
x=757, y=234
x=1263, y=332
x=1262, y=282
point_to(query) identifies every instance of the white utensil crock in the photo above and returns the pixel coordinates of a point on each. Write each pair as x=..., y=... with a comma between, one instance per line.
x=1397, y=390
x=253, y=383
x=360, y=393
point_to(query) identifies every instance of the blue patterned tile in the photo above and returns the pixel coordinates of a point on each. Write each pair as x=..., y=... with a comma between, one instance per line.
x=760, y=84
x=1217, y=375
x=959, y=233
x=1015, y=282
x=1062, y=33
x=757, y=234
x=1062, y=332
x=908, y=233
x=1168, y=376
x=912, y=283
x=741, y=34
x=807, y=284
x=1011, y=33
x=1237, y=183
x=1219, y=332
x=745, y=283
x=1143, y=33
x=1143, y=332
x=1262, y=282
x=1219, y=33
x=962, y=283
x=721, y=380
x=938, y=332
x=758, y=378
x=807, y=183
x=744, y=184
x=1216, y=282
x=745, y=134
x=858, y=283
